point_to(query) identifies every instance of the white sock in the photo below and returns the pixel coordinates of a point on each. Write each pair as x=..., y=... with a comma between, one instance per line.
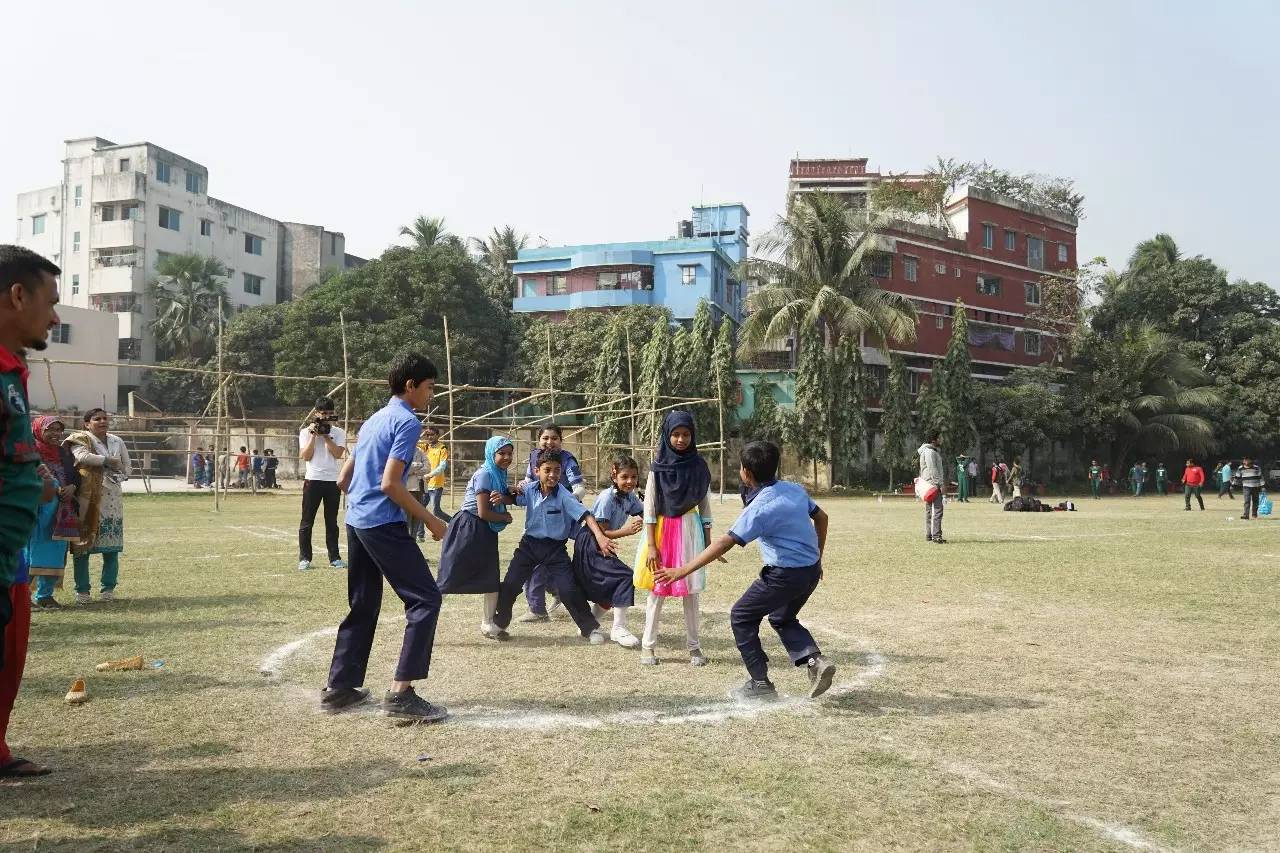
x=620, y=618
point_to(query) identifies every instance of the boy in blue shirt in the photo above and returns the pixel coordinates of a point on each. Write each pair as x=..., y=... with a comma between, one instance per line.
x=792, y=531
x=550, y=437
x=551, y=515
x=378, y=500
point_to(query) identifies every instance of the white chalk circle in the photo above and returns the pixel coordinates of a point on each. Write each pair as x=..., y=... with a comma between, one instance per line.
x=711, y=712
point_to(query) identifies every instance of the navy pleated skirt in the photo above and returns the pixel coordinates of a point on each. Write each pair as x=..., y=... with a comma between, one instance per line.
x=608, y=581
x=468, y=556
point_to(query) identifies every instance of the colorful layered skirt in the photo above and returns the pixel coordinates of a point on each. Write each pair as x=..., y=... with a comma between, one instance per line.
x=679, y=541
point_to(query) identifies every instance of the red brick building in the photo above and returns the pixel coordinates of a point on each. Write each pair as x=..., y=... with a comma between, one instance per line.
x=993, y=259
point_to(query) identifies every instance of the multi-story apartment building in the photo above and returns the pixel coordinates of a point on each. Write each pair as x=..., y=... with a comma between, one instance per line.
x=120, y=209
x=699, y=263
x=992, y=257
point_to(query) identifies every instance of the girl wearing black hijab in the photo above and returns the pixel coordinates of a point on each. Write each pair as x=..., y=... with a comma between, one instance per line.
x=677, y=520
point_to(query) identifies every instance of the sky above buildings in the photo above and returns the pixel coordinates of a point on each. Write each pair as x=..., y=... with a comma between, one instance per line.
x=596, y=121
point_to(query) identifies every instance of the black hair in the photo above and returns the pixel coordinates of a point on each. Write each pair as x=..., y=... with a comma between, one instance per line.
x=432, y=427
x=548, y=455
x=409, y=366
x=19, y=265
x=324, y=404
x=622, y=462
x=760, y=458
x=88, y=416
x=242, y=448
x=551, y=428
x=934, y=438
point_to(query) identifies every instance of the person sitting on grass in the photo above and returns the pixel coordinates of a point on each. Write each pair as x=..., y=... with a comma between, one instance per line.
x=551, y=515
x=379, y=546
x=792, y=531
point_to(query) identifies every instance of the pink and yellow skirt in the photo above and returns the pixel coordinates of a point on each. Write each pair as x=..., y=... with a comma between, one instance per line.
x=679, y=541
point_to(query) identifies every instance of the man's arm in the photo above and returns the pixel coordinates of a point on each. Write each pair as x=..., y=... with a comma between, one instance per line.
x=309, y=447
x=393, y=487
x=716, y=550
x=820, y=521
x=344, y=476
x=337, y=451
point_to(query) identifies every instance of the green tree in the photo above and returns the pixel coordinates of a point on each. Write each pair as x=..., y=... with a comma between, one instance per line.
x=895, y=420
x=495, y=253
x=694, y=350
x=1019, y=414
x=849, y=394
x=187, y=292
x=765, y=423
x=956, y=370
x=248, y=348
x=427, y=232
x=811, y=431
x=175, y=391
x=609, y=385
x=656, y=377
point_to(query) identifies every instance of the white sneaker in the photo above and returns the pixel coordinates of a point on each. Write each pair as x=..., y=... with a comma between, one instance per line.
x=107, y=595
x=556, y=608
x=624, y=638
x=596, y=638
x=83, y=598
x=304, y=565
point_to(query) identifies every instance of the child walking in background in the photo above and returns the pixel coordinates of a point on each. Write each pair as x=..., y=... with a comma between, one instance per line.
x=550, y=438
x=437, y=466
x=792, y=531
x=469, y=553
x=608, y=581
x=551, y=515
x=677, y=519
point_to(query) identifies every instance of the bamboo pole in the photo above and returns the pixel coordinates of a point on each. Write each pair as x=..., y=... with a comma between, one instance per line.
x=720, y=400
x=253, y=480
x=551, y=379
x=217, y=394
x=448, y=369
x=346, y=379
x=631, y=388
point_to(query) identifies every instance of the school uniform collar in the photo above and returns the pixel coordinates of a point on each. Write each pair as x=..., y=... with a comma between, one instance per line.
x=748, y=495
x=403, y=403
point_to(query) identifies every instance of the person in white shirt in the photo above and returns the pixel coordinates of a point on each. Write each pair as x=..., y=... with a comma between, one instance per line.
x=322, y=444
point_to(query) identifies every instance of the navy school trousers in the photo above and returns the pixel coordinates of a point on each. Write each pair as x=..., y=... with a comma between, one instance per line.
x=779, y=594
x=550, y=556
x=386, y=551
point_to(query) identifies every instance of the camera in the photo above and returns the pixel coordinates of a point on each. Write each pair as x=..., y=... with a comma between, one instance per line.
x=322, y=423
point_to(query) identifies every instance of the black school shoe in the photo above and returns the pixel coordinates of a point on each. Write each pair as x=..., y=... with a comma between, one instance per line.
x=821, y=672
x=343, y=698
x=755, y=691
x=412, y=708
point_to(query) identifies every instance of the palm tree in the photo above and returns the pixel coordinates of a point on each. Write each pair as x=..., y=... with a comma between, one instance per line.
x=1160, y=252
x=427, y=231
x=1169, y=392
x=494, y=254
x=813, y=274
x=188, y=292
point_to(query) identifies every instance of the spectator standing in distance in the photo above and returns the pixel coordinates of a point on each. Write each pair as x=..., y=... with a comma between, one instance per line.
x=28, y=300
x=932, y=472
x=1095, y=479
x=270, y=464
x=1249, y=477
x=997, y=473
x=198, y=465
x=971, y=471
x=1162, y=480
x=1192, y=482
x=322, y=444
x=1225, y=482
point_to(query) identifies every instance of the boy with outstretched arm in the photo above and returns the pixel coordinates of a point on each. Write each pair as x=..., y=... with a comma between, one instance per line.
x=552, y=514
x=379, y=545
x=792, y=532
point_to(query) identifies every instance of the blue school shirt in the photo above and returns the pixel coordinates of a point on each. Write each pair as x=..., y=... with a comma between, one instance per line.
x=780, y=517
x=551, y=516
x=392, y=433
x=479, y=482
x=572, y=472
x=613, y=513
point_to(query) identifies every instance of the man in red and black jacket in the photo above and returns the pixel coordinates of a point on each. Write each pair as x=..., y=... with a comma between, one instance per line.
x=28, y=296
x=1192, y=482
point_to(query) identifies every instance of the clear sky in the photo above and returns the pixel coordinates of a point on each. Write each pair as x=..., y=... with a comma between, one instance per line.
x=596, y=121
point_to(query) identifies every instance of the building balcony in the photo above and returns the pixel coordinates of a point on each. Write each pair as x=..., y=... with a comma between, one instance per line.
x=116, y=279
x=582, y=299
x=118, y=186
x=117, y=234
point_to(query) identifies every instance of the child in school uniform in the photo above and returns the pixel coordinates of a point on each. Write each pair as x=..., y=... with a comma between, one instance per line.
x=609, y=582
x=551, y=514
x=469, y=553
x=550, y=438
x=677, y=519
x=792, y=532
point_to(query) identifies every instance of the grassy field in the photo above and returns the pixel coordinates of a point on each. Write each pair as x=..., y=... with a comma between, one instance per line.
x=1100, y=680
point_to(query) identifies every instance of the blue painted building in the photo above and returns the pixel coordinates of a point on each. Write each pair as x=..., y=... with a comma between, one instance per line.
x=677, y=273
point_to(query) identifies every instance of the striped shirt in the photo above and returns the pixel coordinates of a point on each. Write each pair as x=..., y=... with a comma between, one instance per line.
x=1250, y=477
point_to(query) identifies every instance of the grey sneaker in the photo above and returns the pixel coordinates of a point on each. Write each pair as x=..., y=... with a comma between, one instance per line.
x=755, y=691
x=83, y=598
x=339, y=564
x=697, y=658
x=107, y=595
x=304, y=565
x=408, y=705
x=648, y=657
x=531, y=618
x=556, y=609
x=821, y=671
x=595, y=638
x=342, y=699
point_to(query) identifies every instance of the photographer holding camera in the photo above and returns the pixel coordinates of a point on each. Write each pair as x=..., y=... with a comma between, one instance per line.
x=322, y=443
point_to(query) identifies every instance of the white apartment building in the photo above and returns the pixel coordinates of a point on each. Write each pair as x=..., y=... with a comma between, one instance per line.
x=120, y=209
x=83, y=335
